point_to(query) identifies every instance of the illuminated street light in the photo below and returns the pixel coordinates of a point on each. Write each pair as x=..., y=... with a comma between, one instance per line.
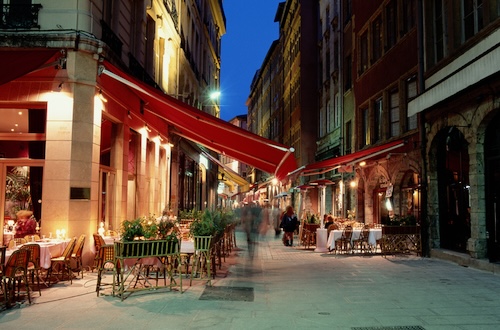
x=214, y=95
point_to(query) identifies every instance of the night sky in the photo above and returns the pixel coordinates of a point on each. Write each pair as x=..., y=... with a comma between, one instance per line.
x=250, y=30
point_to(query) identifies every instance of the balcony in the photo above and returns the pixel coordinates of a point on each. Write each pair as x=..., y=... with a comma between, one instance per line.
x=20, y=17
x=111, y=39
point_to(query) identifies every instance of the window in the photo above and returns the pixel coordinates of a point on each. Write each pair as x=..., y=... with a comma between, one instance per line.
x=363, y=46
x=377, y=39
x=348, y=137
x=378, y=111
x=394, y=113
x=439, y=30
x=149, y=46
x=347, y=11
x=365, y=127
x=329, y=115
x=336, y=111
x=409, y=15
x=392, y=24
x=348, y=73
x=336, y=55
x=472, y=13
x=323, y=114
x=411, y=92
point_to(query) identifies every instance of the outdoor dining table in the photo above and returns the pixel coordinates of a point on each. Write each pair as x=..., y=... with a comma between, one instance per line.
x=49, y=248
x=374, y=235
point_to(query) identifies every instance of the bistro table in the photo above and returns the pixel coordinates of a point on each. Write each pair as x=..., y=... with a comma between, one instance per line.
x=374, y=235
x=49, y=248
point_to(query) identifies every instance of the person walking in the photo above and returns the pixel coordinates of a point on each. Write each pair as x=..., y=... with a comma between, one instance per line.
x=289, y=223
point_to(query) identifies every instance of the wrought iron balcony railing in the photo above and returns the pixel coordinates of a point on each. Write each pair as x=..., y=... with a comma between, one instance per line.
x=111, y=39
x=20, y=17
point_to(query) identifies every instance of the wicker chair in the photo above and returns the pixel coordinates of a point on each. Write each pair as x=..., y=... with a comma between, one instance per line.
x=34, y=263
x=361, y=243
x=77, y=253
x=35, y=237
x=16, y=270
x=98, y=242
x=343, y=244
x=16, y=241
x=106, y=263
x=64, y=261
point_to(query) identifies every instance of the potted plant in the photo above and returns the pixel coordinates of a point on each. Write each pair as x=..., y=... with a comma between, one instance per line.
x=205, y=225
x=132, y=230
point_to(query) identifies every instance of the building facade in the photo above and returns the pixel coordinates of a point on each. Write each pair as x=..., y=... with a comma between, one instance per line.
x=80, y=81
x=407, y=117
x=458, y=103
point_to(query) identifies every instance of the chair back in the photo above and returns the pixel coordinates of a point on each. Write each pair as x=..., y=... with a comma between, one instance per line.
x=202, y=243
x=3, y=251
x=78, y=249
x=69, y=249
x=331, y=227
x=19, y=240
x=98, y=241
x=35, y=237
x=18, y=262
x=106, y=256
x=34, y=254
x=365, y=233
x=347, y=233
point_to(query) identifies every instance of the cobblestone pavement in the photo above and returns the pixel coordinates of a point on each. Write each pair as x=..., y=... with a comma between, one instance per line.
x=284, y=288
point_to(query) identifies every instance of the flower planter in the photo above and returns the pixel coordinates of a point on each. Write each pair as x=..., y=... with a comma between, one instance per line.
x=137, y=250
x=145, y=249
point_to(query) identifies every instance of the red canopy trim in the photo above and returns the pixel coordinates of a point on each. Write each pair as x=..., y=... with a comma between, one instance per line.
x=207, y=130
x=17, y=63
x=336, y=162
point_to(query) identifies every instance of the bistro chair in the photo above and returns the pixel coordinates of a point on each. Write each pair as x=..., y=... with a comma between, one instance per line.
x=63, y=262
x=3, y=250
x=29, y=239
x=16, y=270
x=361, y=243
x=309, y=235
x=344, y=244
x=106, y=264
x=98, y=242
x=16, y=242
x=201, y=259
x=34, y=263
x=77, y=254
x=331, y=227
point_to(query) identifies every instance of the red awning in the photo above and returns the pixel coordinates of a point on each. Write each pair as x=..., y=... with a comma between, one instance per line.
x=205, y=129
x=17, y=63
x=336, y=162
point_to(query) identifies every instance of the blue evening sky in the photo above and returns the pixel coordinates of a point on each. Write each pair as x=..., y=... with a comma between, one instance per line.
x=250, y=30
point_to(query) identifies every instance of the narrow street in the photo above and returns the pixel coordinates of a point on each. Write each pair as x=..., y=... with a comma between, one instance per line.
x=284, y=288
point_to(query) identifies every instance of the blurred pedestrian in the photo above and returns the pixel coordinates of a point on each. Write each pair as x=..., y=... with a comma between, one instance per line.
x=289, y=223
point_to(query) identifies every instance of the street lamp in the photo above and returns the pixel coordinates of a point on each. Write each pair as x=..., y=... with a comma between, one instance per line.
x=215, y=95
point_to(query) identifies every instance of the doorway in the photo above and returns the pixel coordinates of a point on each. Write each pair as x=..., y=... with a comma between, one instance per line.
x=492, y=185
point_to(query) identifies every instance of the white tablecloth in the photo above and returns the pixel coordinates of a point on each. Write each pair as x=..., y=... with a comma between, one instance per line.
x=48, y=250
x=375, y=234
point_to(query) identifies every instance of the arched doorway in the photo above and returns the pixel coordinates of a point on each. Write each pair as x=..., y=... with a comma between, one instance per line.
x=410, y=195
x=492, y=185
x=453, y=189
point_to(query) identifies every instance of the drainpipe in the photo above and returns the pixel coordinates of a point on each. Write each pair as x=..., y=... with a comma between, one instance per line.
x=424, y=220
